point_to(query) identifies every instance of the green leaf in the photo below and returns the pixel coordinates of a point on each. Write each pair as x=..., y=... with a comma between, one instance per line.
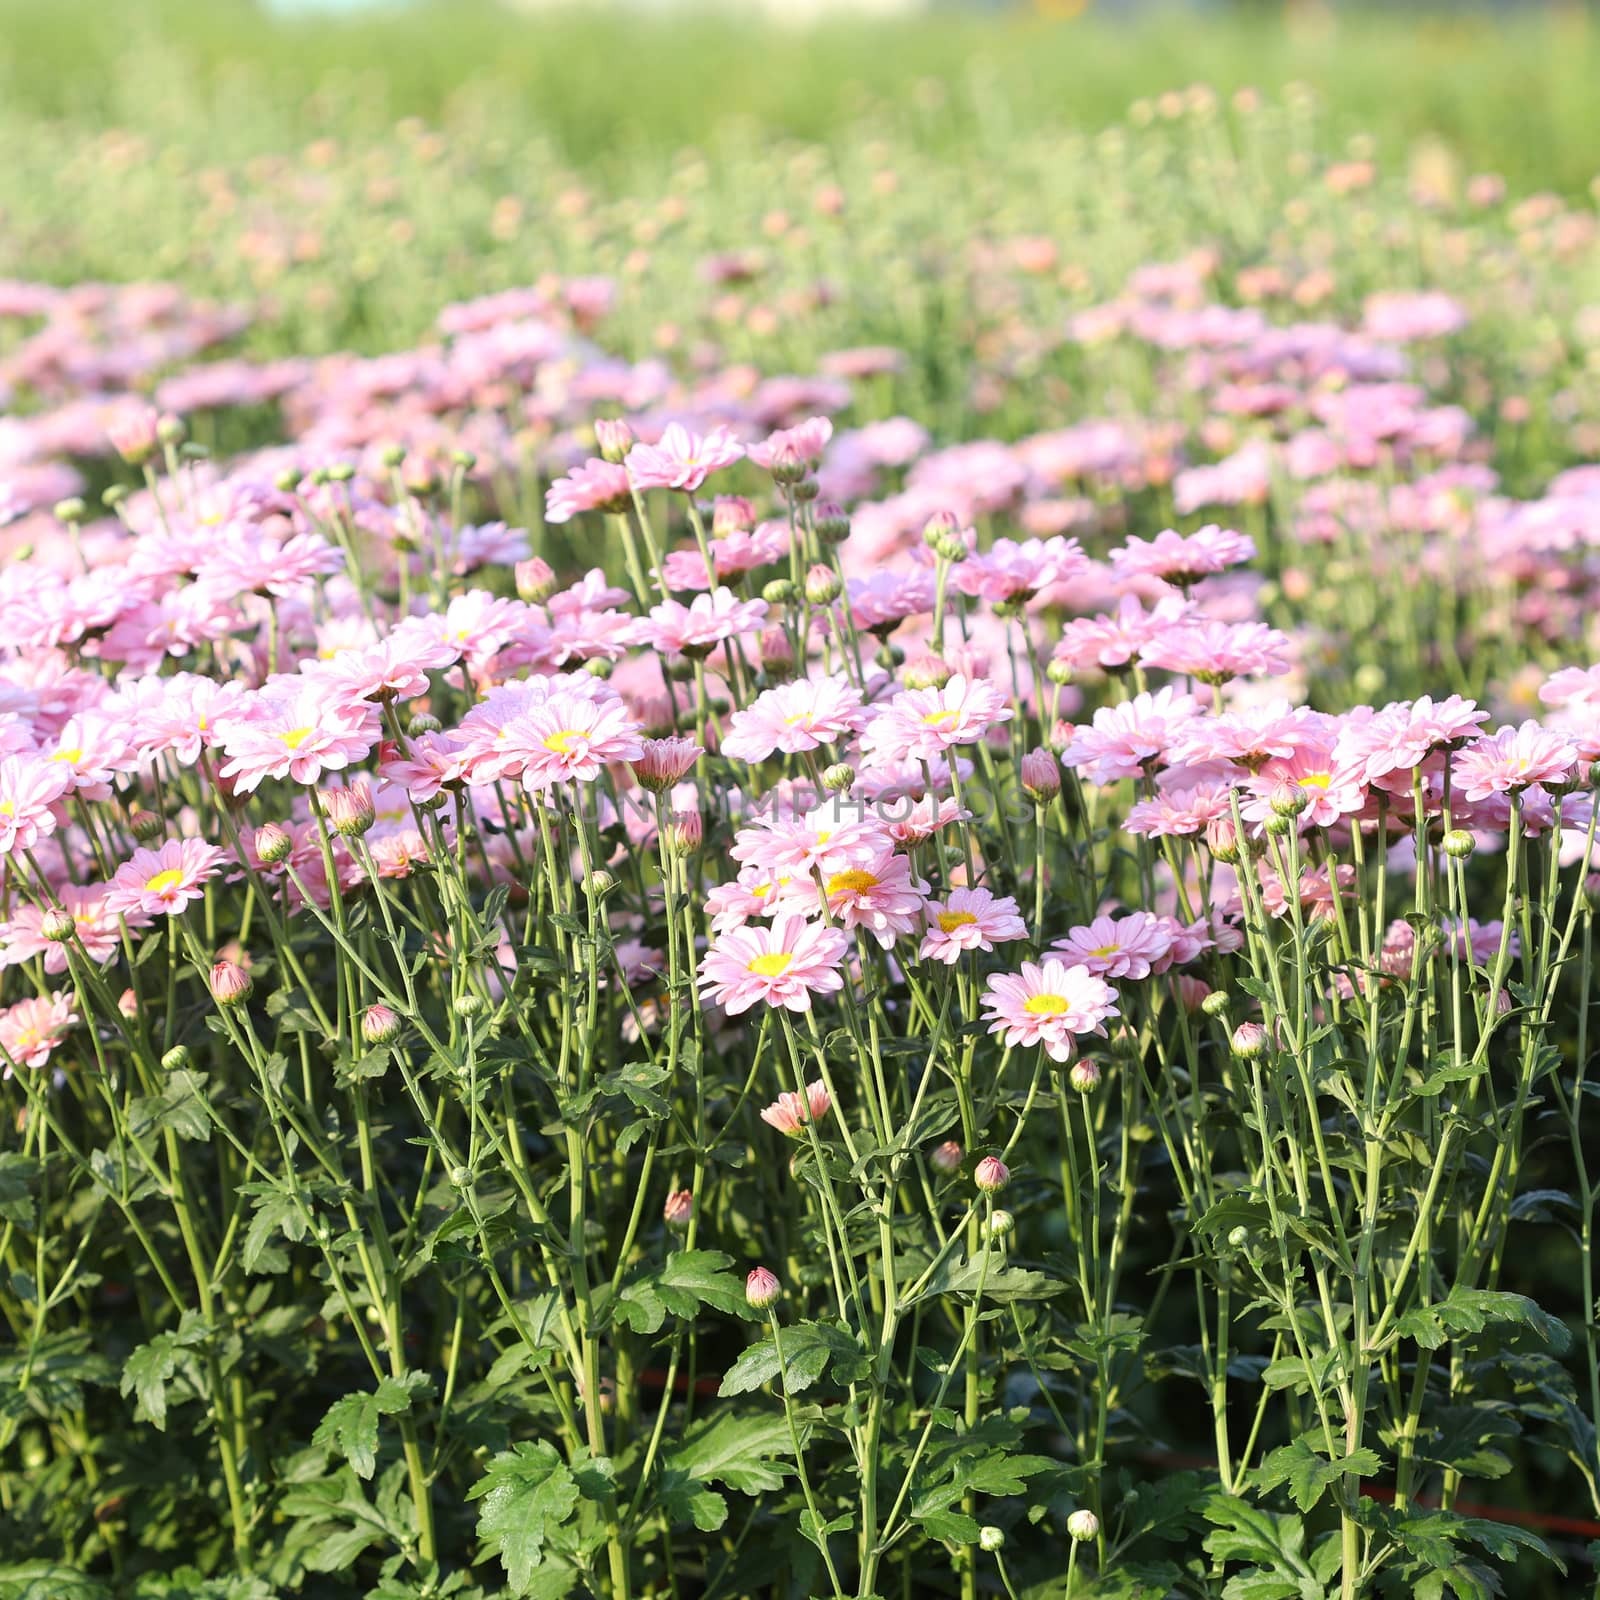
x=691, y=1276
x=350, y=1426
x=527, y=1493
x=275, y=1212
x=45, y=1580
x=808, y=1349
x=1309, y=1474
x=954, y=1526
x=740, y=1450
x=150, y=1368
x=17, y=1174
x=686, y=1499
x=181, y=1106
x=1468, y=1311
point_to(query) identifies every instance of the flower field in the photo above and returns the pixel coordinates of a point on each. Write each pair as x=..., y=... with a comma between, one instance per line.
x=852, y=874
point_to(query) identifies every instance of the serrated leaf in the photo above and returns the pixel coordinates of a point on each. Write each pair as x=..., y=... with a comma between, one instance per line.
x=1467, y=1311
x=527, y=1492
x=1309, y=1474
x=738, y=1449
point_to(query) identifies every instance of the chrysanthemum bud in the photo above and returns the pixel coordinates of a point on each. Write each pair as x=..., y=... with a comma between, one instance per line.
x=341, y=472
x=145, y=825
x=176, y=1059
x=732, y=513
x=1215, y=1004
x=391, y=455
x=1238, y=1237
x=422, y=723
x=72, y=509
x=947, y=1157
x=128, y=1004
x=379, y=1025
x=1249, y=1041
x=273, y=843
x=664, y=762
x=133, y=435
x=1084, y=1076
x=927, y=672
x=777, y=653
x=684, y=832
x=831, y=522
x=230, y=984
x=678, y=1210
x=822, y=585
x=597, y=667
x=939, y=528
x=1058, y=671
x=469, y=1005
x=991, y=1175
x=1041, y=776
x=614, y=439
x=56, y=925
x=461, y=1177
x=1083, y=1525
x=170, y=430
x=838, y=778
x=1458, y=844
x=1061, y=736
x=1288, y=799
x=350, y=812
x=1222, y=840
x=1001, y=1223
x=535, y=581
x=1278, y=824
x=762, y=1289
x=991, y=1538
x=806, y=490
x=780, y=591
x=598, y=883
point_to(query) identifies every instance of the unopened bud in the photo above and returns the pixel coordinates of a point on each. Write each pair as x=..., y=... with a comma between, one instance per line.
x=1041, y=776
x=176, y=1059
x=839, y=778
x=1083, y=1525
x=991, y=1175
x=1001, y=1223
x=535, y=581
x=947, y=1157
x=380, y=1025
x=56, y=925
x=762, y=1289
x=350, y=812
x=145, y=825
x=1458, y=844
x=991, y=1538
x=822, y=585
x=273, y=843
x=1084, y=1076
x=927, y=672
x=678, y=1210
x=1249, y=1041
x=230, y=984
x=614, y=439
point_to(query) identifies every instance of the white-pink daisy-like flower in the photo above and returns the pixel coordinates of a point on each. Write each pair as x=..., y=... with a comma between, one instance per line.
x=1512, y=759
x=880, y=601
x=826, y=840
x=1047, y=1004
x=1178, y=812
x=1386, y=747
x=571, y=737
x=1327, y=790
x=1251, y=736
x=969, y=919
x=789, y=1113
x=1182, y=560
x=783, y=964
x=1014, y=571
x=595, y=486
x=682, y=460
x=1112, y=640
x=162, y=883
x=1572, y=686
x=1217, y=652
x=881, y=897
x=96, y=929
x=919, y=724
x=733, y=553
x=31, y=1029
x=696, y=629
x=1129, y=946
x=793, y=449
x=793, y=717
x=1126, y=741
x=292, y=730
x=29, y=791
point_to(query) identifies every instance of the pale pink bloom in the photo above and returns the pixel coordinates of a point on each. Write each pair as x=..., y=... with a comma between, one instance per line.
x=969, y=919
x=98, y=930
x=1047, y=1005
x=1572, y=686
x=1509, y=760
x=1129, y=946
x=789, y=1113
x=92, y=749
x=253, y=561
x=663, y=762
x=783, y=965
x=162, y=883
x=594, y=486
x=1330, y=791
x=291, y=730
x=571, y=738
x=735, y=552
x=825, y=840
x=698, y=628
x=169, y=626
x=592, y=592
x=1126, y=741
x=496, y=738
x=681, y=459
x=1387, y=746
x=1011, y=571
x=754, y=893
x=29, y=791
x=1216, y=652
x=882, y=600
x=431, y=761
x=794, y=449
x=919, y=724
x=912, y=822
x=31, y=1029
x=880, y=897
x=1182, y=560
x=1113, y=640
x=793, y=717
x=1252, y=736
x=1178, y=812
x=181, y=714
x=394, y=669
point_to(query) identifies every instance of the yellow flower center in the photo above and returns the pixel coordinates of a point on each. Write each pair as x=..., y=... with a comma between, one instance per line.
x=855, y=879
x=170, y=879
x=8, y=808
x=773, y=965
x=295, y=737
x=1316, y=780
x=937, y=719
x=563, y=742
x=949, y=921
x=1105, y=950
x=26, y=1040
x=1044, y=1005
x=73, y=756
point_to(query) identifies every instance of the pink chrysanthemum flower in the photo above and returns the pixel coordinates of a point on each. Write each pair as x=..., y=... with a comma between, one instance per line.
x=826, y=840
x=789, y=1114
x=29, y=790
x=1511, y=759
x=881, y=897
x=1178, y=812
x=1181, y=560
x=695, y=630
x=794, y=717
x=910, y=821
x=182, y=715
x=1129, y=946
x=95, y=927
x=1111, y=641
x=735, y=552
x=682, y=460
x=969, y=919
x=162, y=883
x=1251, y=737
x=594, y=486
x=880, y=601
x=572, y=737
x=1126, y=741
x=1386, y=747
x=1011, y=571
x=754, y=893
x=1047, y=1005
x=291, y=730
x=1217, y=652
x=1572, y=686
x=664, y=762
x=31, y=1029
x=783, y=965
x=794, y=449
x=1328, y=790
x=922, y=723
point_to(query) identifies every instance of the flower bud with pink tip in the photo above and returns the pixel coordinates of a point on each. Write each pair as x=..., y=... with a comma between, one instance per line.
x=991, y=1175
x=762, y=1289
